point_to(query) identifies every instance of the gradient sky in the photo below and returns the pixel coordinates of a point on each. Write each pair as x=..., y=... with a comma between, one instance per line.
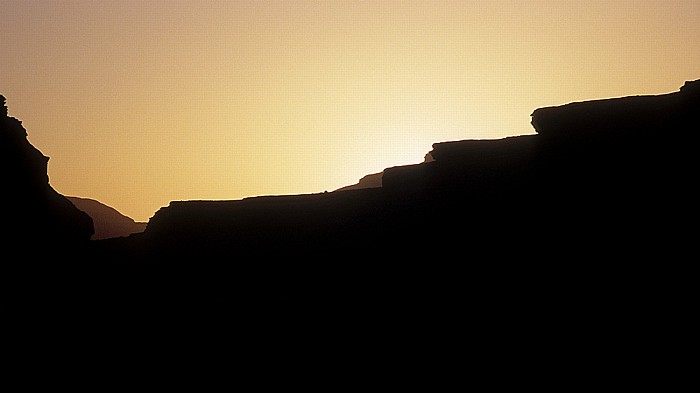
x=142, y=102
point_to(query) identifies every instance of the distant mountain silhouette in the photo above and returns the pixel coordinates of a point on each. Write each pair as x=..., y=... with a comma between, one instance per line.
x=35, y=213
x=107, y=220
x=369, y=181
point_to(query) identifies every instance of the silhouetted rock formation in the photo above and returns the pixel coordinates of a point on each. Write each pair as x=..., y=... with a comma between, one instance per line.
x=369, y=181
x=627, y=117
x=34, y=212
x=579, y=183
x=520, y=244
x=594, y=181
x=107, y=220
x=374, y=180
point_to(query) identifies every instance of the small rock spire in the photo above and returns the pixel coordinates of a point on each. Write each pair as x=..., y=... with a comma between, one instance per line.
x=3, y=108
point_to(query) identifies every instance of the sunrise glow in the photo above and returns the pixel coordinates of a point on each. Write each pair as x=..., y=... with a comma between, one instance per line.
x=139, y=103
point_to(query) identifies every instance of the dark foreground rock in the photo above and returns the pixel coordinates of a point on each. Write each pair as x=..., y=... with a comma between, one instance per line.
x=36, y=217
x=596, y=191
x=598, y=177
x=567, y=241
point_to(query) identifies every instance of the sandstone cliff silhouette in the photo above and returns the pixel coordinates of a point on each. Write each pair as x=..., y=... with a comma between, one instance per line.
x=541, y=230
x=597, y=175
x=564, y=242
x=107, y=220
x=37, y=216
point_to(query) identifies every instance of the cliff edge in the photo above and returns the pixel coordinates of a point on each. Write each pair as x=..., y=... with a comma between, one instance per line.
x=599, y=176
x=36, y=215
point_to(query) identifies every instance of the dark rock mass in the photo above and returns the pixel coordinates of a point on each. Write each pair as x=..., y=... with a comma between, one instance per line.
x=599, y=176
x=592, y=199
x=36, y=215
x=564, y=244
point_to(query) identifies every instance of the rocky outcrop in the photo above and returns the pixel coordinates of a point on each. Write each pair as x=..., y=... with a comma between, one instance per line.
x=107, y=220
x=545, y=239
x=374, y=180
x=579, y=182
x=626, y=117
x=35, y=214
x=472, y=166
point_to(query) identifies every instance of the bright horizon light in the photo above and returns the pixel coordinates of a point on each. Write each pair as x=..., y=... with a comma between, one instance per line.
x=139, y=103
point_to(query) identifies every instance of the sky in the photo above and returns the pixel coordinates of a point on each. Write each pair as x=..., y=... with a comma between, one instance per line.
x=141, y=102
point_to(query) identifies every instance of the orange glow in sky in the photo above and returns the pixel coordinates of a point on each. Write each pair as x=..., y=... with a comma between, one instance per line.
x=142, y=102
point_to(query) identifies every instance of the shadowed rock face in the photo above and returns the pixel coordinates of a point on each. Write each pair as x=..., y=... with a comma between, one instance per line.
x=35, y=213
